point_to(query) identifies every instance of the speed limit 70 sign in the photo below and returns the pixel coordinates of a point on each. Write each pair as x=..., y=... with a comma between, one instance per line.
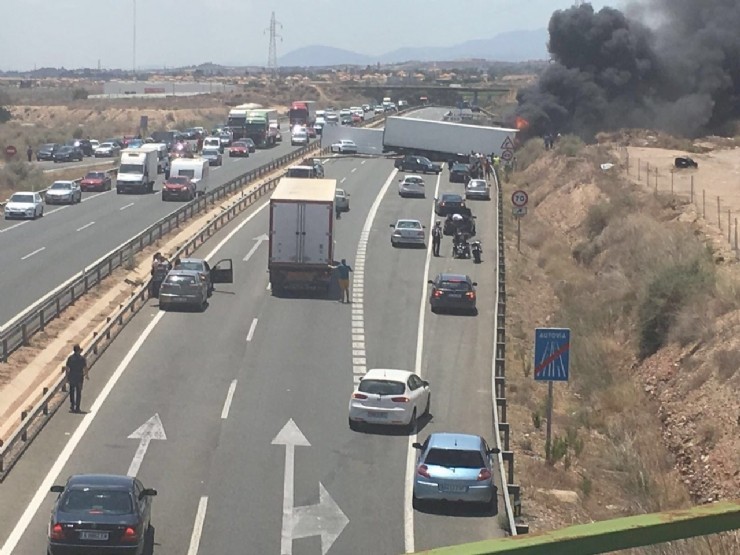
x=519, y=198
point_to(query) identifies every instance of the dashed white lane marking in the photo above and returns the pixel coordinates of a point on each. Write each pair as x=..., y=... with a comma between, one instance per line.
x=353, y=170
x=359, y=353
x=85, y=226
x=30, y=254
x=129, y=205
x=200, y=519
x=250, y=334
x=269, y=286
x=57, y=209
x=94, y=196
x=363, y=162
x=227, y=402
x=342, y=180
x=14, y=226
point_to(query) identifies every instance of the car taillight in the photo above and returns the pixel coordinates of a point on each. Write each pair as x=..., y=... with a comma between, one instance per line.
x=420, y=234
x=470, y=294
x=438, y=293
x=423, y=470
x=359, y=396
x=484, y=474
x=400, y=399
x=56, y=532
x=129, y=534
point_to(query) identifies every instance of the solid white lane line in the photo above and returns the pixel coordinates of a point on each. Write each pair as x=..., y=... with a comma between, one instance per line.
x=43, y=491
x=129, y=205
x=56, y=210
x=227, y=402
x=85, y=226
x=250, y=334
x=200, y=519
x=408, y=510
x=30, y=254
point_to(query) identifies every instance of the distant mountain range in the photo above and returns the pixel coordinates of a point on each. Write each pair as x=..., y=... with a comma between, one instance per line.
x=513, y=46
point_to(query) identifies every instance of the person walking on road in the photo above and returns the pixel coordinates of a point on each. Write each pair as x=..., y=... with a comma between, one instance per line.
x=76, y=369
x=436, y=238
x=29, y=153
x=343, y=270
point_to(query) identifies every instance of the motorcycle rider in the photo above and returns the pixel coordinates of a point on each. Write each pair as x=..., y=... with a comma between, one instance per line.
x=436, y=237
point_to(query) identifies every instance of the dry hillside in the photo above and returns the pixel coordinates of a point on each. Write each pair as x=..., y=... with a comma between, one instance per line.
x=651, y=417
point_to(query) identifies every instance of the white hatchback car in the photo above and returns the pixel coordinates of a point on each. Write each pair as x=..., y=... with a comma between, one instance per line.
x=390, y=397
x=408, y=232
x=477, y=188
x=344, y=146
x=411, y=186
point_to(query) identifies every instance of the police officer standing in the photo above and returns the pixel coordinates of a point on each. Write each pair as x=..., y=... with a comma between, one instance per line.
x=76, y=369
x=436, y=238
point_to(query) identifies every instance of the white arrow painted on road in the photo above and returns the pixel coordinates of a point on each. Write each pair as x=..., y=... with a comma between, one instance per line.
x=151, y=429
x=261, y=239
x=325, y=519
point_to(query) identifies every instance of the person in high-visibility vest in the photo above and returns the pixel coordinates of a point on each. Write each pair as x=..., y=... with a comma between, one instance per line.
x=496, y=162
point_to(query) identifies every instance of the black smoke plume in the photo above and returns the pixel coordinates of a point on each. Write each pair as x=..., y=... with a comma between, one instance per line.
x=609, y=71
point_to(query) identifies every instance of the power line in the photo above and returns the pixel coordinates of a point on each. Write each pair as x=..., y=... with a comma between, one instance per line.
x=272, y=55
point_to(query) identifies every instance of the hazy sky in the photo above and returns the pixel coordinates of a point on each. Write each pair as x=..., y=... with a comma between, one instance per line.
x=78, y=33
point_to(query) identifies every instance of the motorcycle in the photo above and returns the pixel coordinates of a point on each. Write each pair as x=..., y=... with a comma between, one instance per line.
x=477, y=251
x=461, y=249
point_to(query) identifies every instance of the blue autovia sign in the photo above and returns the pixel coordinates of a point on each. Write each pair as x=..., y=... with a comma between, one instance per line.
x=551, y=354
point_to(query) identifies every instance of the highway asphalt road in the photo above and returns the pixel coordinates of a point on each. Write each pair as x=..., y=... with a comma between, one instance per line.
x=252, y=395
x=69, y=238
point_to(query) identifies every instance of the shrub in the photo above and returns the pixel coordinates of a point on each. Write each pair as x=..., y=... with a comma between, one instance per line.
x=5, y=115
x=727, y=361
x=78, y=133
x=569, y=145
x=528, y=153
x=597, y=218
x=20, y=175
x=664, y=296
x=80, y=94
x=558, y=449
x=586, y=485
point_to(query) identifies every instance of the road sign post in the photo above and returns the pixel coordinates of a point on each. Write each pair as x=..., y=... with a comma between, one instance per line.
x=519, y=199
x=551, y=364
x=10, y=151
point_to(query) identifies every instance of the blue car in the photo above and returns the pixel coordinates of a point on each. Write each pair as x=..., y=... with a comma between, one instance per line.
x=455, y=467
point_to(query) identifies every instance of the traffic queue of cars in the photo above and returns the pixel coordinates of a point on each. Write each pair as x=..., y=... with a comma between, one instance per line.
x=454, y=467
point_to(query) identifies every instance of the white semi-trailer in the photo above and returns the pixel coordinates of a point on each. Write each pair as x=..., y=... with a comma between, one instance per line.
x=440, y=139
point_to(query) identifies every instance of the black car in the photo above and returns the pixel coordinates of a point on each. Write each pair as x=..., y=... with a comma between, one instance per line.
x=448, y=203
x=685, y=162
x=68, y=154
x=460, y=173
x=250, y=144
x=100, y=513
x=417, y=164
x=46, y=152
x=453, y=291
x=462, y=220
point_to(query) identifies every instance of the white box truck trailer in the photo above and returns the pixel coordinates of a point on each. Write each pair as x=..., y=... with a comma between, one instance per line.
x=438, y=140
x=138, y=171
x=197, y=170
x=301, y=249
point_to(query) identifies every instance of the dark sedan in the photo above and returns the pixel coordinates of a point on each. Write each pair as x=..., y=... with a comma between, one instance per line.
x=460, y=173
x=100, y=513
x=250, y=144
x=84, y=144
x=448, y=203
x=68, y=154
x=46, y=152
x=453, y=291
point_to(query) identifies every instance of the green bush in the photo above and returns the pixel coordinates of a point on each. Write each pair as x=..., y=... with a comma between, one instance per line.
x=597, y=218
x=663, y=299
x=558, y=449
x=569, y=145
x=5, y=115
x=19, y=175
x=80, y=94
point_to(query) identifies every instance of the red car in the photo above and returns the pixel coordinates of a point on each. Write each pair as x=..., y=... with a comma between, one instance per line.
x=178, y=188
x=96, y=181
x=239, y=148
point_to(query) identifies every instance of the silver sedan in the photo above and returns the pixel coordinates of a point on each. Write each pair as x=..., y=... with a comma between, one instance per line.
x=477, y=189
x=408, y=232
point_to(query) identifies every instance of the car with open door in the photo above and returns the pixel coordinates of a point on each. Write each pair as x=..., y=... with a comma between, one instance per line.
x=222, y=272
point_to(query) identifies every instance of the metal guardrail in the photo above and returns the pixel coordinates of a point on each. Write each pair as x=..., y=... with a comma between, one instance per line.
x=18, y=331
x=500, y=425
x=33, y=420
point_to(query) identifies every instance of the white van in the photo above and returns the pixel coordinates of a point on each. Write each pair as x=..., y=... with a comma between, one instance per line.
x=214, y=142
x=163, y=155
x=196, y=169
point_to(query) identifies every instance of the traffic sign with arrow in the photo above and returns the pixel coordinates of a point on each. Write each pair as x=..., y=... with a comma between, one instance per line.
x=261, y=239
x=325, y=519
x=151, y=429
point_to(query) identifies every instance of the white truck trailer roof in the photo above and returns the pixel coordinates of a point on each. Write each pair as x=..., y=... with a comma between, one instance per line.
x=309, y=190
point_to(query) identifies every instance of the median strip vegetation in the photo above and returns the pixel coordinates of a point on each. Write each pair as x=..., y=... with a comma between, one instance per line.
x=645, y=294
